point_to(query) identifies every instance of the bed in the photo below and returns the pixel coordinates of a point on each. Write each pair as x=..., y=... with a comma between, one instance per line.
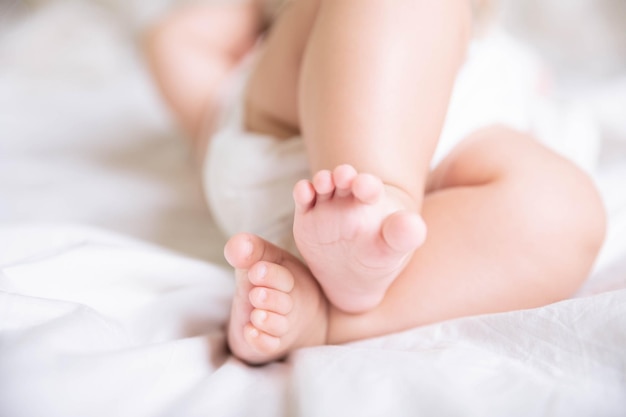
x=114, y=293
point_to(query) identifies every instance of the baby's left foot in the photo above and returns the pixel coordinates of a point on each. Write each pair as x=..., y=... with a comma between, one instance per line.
x=356, y=235
x=278, y=305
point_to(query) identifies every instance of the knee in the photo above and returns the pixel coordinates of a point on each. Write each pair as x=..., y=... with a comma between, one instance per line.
x=564, y=197
x=575, y=214
x=565, y=215
x=559, y=215
x=550, y=206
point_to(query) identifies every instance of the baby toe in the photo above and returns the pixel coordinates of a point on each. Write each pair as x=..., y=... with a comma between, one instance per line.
x=343, y=176
x=304, y=195
x=261, y=341
x=270, y=275
x=238, y=251
x=273, y=324
x=323, y=184
x=404, y=231
x=271, y=300
x=367, y=188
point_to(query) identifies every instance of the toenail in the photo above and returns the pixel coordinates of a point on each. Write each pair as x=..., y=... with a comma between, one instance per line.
x=262, y=295
x=260, y=271
x=262, y=315
x=254, y=332
x=247, y=248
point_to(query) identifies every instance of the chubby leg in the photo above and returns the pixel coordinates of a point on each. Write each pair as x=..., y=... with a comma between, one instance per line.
x=192, y=50
x=278, y=305
x=511, y=226
x=367, y=85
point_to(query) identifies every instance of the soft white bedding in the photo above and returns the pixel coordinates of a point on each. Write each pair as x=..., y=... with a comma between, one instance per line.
x=113, y=292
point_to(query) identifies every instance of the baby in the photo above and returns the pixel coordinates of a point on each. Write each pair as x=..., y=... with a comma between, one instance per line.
x=387, y=241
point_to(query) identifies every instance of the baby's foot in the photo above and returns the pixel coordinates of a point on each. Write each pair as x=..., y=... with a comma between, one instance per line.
x=356, y=235
x=278, y=305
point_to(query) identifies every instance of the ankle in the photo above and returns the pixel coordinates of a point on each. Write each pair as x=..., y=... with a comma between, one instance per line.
x=410, y=201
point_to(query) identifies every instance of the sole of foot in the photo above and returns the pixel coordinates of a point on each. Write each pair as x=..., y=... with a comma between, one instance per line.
x=356, y=234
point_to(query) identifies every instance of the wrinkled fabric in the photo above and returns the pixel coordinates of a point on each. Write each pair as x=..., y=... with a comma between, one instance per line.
x=125, y=317
x=94, y=324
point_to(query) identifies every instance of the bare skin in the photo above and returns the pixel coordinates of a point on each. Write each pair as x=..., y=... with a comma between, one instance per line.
x=369, y=123
x=454, y=274
x=192, y=51
x=278, y=305
x=360, y=227
x=496, y=207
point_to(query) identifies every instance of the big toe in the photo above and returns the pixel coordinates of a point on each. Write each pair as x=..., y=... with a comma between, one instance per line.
x=404, y=231
x=244, y=250
x=239, y=251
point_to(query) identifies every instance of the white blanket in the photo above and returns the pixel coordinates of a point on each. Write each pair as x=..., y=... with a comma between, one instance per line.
x=97, y=325
x=114, y=295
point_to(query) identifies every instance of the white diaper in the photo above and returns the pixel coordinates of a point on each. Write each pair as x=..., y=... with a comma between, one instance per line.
x=248, y=177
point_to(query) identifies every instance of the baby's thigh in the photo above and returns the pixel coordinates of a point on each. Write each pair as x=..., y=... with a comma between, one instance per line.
x=272, y=96
x=497, y=153
x=531, y=184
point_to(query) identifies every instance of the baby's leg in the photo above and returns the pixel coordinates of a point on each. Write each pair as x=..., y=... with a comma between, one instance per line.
x=511, y=226
x=278, y=305
x=367, y=85
x=191, y=51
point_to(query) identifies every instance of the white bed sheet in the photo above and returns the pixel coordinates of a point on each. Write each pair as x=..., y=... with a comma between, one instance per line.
x=94, y=321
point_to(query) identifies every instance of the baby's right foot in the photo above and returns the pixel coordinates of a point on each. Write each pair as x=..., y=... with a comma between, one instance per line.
x=356, y=235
